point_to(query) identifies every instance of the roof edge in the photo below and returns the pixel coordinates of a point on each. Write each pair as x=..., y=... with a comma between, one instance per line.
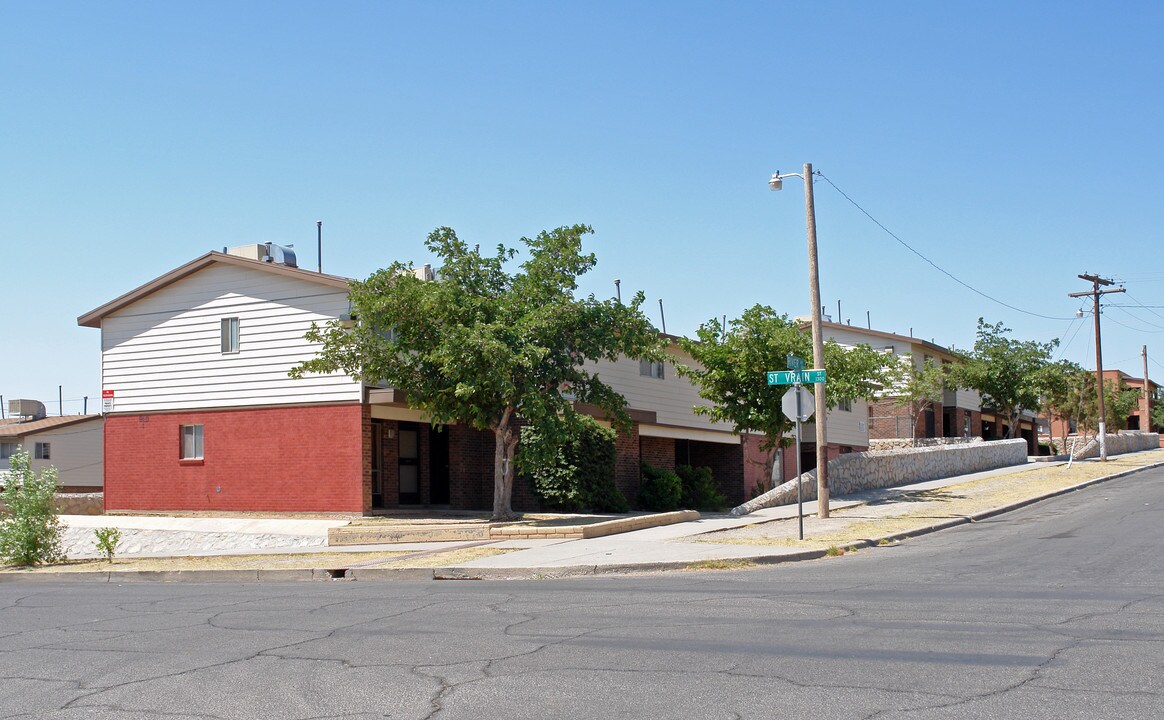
x=93, y=317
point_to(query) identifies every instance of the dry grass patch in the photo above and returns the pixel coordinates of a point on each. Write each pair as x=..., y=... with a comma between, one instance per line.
x=446, y=559
x=720, y=565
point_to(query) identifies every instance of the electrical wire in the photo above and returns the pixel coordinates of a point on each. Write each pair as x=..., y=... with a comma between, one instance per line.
x=1146, y=307
x=1139, y=319
x=1064, y=346
x=1135, y=329
x=907, y=246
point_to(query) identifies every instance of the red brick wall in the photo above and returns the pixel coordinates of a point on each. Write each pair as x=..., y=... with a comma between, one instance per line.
x=657, y=452
x=470, y=468
x=726, y=463
x=304, y=459
x=627, y=473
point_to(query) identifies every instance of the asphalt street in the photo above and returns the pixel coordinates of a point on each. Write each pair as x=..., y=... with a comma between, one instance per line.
x=1053, y=611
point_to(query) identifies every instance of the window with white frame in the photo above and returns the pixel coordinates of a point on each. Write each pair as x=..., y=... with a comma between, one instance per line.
x=42, y=451
x=846, y=405
x=229, y=335
x=651, y=369
x=191, y=442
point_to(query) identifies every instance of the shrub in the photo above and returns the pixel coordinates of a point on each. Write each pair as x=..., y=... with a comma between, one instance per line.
x=570, y=463
x=30, y=531
x=699, y=489
x=106, y=540
x=661, y=491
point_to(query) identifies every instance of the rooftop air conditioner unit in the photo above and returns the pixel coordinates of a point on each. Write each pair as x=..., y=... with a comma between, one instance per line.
x=28, y=409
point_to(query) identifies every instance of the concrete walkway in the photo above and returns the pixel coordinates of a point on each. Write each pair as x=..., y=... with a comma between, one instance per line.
x=667, y=547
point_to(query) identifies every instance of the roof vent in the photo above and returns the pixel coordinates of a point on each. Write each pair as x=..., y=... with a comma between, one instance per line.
x=279, y=254
x=26, y=409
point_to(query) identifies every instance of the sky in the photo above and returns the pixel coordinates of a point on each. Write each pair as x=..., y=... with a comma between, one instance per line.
x=1013, y=146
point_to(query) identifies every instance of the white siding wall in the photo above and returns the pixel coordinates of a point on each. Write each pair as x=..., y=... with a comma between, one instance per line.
x=163, y=352
x=76, y=451
x=671, y=398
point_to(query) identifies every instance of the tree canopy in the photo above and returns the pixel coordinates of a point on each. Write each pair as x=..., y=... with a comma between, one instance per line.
x=481, y=346
x=916, y=387
x=1007, y=373
x=732, y=366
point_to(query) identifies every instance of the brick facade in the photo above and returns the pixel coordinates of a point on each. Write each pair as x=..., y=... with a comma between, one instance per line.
x=726, y=463
x=303, y=459
x=657, y=452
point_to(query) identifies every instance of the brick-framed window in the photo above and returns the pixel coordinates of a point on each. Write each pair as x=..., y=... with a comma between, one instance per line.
x=229, y=335
x=42, y=451
x=190, y=447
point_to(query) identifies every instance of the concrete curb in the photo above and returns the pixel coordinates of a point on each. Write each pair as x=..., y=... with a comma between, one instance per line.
x=374, y=574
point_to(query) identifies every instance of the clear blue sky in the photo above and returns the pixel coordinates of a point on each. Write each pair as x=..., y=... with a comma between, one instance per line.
x=1014, y=144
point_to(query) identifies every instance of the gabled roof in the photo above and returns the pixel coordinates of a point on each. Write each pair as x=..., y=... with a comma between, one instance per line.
x=11, y=428
x=93, y=317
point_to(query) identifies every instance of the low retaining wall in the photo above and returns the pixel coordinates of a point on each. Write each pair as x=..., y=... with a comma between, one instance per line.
x=80, y=503
x=867, y=470
x=882, y=444
x=1119, y=444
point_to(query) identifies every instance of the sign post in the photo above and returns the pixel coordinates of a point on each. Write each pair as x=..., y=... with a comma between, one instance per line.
x=798, y=405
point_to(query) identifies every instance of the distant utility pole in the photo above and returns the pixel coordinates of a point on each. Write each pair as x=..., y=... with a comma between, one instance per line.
x=1094, y=294
x=1146, y=426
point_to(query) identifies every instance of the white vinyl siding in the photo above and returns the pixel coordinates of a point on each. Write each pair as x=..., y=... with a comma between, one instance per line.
x=164, y=352
x=671, y=398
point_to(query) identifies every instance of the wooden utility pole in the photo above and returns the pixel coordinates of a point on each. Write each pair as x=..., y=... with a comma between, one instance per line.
x=1146, y=426
x=1095, y=293
x=822, y=452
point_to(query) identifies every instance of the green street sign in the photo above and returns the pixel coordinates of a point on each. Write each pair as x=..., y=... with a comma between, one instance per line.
x=795, y=363
x=796, y=377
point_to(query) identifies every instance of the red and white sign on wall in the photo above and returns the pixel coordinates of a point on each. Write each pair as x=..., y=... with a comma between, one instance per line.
x=106, y=401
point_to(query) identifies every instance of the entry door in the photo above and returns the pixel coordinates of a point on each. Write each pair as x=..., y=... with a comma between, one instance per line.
x=409, y=454
x=377, y=464
x=438, y=450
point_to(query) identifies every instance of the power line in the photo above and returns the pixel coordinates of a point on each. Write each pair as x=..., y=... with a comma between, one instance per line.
x=1146, y=307
x=1129, y=327
x=907, y=246
x=1137, y=318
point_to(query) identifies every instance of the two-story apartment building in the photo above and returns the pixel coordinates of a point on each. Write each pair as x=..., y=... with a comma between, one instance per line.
x=202, y=414
x=957, y=412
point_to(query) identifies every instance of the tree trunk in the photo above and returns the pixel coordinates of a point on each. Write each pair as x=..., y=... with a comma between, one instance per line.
x=504, y=445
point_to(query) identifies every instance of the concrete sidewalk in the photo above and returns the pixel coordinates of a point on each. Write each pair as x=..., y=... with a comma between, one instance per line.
x=720, y=540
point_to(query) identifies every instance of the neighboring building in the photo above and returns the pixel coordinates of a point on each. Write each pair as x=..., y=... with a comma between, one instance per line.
x=70, y=443
x=205, y=417
x=1141, y=419
x=957, y=413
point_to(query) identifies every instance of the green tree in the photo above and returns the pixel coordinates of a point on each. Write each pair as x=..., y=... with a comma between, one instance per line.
x=30, y=531
x=577, y=474
x=731, y=366
x=1118, y=403
x=915, y=387
x=1158, y=410
x=1061, y=388
x=481, y=346
x=1007, y=373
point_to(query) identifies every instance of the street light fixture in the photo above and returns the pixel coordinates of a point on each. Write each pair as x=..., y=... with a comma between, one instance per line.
x=776, y=182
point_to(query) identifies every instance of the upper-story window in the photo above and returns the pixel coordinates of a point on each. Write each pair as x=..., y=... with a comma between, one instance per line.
x=846, y=405
x=7, y=450
x=230, y=335
x=41, y=451
x=651, y=369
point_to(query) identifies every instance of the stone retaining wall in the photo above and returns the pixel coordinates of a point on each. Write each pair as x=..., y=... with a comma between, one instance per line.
x=1124, y=442
x=878, y=445
x=863, y=471
x=80, y=503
